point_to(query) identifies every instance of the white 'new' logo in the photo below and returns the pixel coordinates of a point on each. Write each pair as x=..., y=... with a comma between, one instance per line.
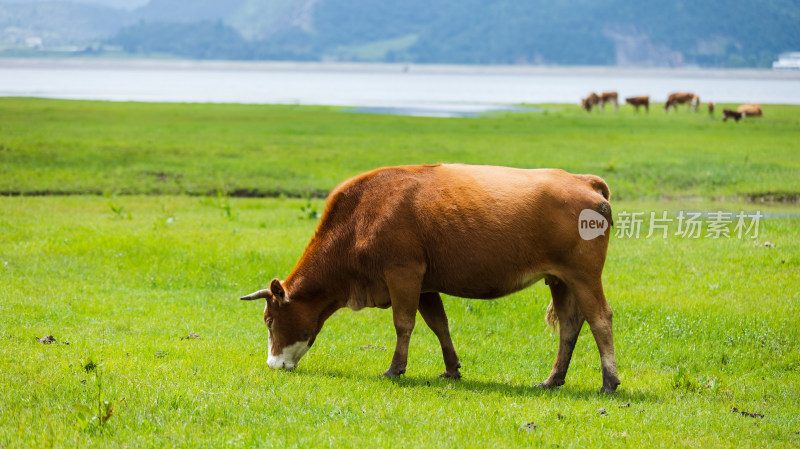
x=591, y=224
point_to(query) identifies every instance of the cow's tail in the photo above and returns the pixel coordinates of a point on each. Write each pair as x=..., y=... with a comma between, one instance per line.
x=550, y=317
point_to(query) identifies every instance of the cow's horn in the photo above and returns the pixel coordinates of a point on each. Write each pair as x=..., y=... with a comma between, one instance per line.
x=257, y=295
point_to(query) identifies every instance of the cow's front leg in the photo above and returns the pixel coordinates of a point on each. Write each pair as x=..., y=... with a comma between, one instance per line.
x=432, y=311
x=404, y=286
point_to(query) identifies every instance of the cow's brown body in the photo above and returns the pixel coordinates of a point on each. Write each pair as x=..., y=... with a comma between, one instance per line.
x=609, y=97
x=750, y=110
x=689, y=98
x=639, y=101
x=600, y=101
x=745, y=110
x=397, y=237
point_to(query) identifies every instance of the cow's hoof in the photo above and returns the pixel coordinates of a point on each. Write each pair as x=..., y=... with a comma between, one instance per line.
x=610, y=384
x=390, y=373
x=609, y=389
x=446, y=375
x=548, y=384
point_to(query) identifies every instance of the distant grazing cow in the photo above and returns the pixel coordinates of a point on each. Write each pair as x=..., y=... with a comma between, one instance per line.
x=609, y=97
x=750, y=110
x=682, y=98
x=590, y=101
x=639, y=101
x=710, y=108
x=600, y=101
x=727, y=113
x=399, y=236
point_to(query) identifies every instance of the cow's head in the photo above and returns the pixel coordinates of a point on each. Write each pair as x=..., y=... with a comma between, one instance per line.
x=293, y=325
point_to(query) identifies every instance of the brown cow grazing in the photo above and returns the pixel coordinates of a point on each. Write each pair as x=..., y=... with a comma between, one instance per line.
x=710, y=108
x=590, y=101
x=727, y=113
x=600, y=101
x=750, y=110
x=682, y=98
x=399, y=236
x=639, y=101
x=609, y=97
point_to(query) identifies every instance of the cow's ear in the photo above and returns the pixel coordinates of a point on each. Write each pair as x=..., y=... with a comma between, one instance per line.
x=277, y=291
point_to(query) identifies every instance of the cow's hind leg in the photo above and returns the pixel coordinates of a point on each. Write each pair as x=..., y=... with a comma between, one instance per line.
x=432, y=311
x=404, y=287
x=592, y=303
x=570, y=321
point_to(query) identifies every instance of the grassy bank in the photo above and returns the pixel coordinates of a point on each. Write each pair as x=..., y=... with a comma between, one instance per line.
x=49, y=146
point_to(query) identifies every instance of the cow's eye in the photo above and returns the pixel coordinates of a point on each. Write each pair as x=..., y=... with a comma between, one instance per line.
x=268, y=321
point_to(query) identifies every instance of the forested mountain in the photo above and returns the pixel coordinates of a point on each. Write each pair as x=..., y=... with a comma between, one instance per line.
x=56, y=24
x=715, y=33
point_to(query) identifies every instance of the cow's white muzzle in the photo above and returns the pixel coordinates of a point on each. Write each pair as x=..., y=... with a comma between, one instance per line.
x=289, y=357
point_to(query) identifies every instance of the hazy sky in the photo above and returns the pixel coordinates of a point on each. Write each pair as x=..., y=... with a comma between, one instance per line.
x=122, y=4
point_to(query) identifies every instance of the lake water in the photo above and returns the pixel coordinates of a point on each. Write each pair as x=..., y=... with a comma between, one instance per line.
x=388, y=88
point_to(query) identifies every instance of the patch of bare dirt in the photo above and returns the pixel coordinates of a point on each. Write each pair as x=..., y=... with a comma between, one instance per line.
x=774, y=197
x=47, y=340
x=749, y=414
x=191, y=336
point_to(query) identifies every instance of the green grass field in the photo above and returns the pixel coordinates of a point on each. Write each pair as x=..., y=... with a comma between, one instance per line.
x=140, y=267
x=100, y=147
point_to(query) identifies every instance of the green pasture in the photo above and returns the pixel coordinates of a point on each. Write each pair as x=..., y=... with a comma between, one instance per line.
x=136, y=274
x=49, y=146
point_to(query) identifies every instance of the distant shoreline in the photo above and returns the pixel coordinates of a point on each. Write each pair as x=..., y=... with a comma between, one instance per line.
x=358, y=67
x=437, y=88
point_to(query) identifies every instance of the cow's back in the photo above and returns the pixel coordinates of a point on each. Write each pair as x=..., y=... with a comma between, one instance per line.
x=751, y=110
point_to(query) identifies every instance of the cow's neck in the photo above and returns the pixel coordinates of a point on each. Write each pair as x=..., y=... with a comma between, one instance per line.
x=316, y=280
